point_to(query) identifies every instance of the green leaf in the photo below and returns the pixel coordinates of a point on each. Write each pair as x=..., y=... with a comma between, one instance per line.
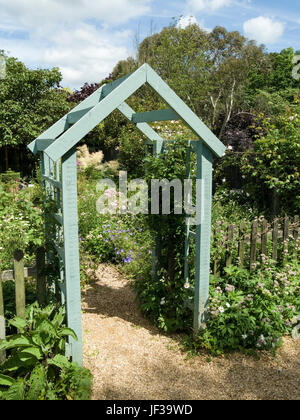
x=16, y=392
x=15, y=341
x=19, y=323
x=6, y=380
x=32, y=351
x=37, y=383
x=59, y=361
x=68, y=332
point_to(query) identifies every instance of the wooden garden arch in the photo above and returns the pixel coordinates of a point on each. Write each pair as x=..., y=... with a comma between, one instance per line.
x=57, y=149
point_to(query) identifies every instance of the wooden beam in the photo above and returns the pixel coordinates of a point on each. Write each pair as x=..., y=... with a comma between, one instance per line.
x=63, y=124
x=75, y=116
x=9, y=274
x=71, y=251
x=70, y=138
x=52, y=181
x=203, y=235
x=144, y=128
x=187, y=115
x=153, y=116
x=108, y=88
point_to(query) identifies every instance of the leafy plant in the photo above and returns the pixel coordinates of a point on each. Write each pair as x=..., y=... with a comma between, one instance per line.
x=36, y=367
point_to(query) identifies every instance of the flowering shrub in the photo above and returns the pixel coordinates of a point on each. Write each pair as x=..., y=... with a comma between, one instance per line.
x=21, y=216
x=120, y=240
x=251, y=310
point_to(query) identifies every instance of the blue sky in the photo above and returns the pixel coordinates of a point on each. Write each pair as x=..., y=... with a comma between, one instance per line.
x=86, y=38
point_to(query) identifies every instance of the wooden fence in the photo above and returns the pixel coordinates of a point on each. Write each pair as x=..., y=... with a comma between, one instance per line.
x=18, y=275
x=246, y=246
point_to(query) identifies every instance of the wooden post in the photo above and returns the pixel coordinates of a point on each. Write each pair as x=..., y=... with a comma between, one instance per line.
x=187, y=221
x=242, y=245
x=253, y=245
x=275, y=240
x=203, y=234
x=229, y=246
x=71, y=251
x=285, y=244
x=19, y=283
x=2, y=320
x=296, y=235
x=264, y=238
x=41, y=287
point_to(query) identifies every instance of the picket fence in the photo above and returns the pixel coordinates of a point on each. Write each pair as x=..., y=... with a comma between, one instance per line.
x=18, y=275
x=246, y=246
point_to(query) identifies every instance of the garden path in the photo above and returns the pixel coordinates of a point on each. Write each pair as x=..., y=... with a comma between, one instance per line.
x=130, y=359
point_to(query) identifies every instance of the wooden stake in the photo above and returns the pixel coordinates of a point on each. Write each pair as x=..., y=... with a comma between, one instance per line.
x=19, y=283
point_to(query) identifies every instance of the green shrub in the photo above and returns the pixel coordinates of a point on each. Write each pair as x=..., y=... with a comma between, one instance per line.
x=22, y=217
x=251, y=310
x=36, y=368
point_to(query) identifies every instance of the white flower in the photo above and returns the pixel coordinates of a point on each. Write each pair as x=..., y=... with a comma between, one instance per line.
x=230, y=148
x=221, y=309
x=224, y=180
x=187, y=285
x=244, y=336
x=228, y=305
x=163, y=301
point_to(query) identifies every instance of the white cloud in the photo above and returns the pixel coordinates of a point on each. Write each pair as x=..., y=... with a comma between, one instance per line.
x=263, y=29
x=78, y=36
x=211, y=5
x=185, y=21
x=39, y=11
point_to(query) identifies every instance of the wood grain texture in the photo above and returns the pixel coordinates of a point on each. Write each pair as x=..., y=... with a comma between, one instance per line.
x=71, y=251
x=105, y=107
x=19, y=283
x=203, y=235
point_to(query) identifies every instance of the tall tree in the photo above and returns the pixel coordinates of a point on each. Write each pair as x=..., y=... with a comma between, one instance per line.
x=30, y=102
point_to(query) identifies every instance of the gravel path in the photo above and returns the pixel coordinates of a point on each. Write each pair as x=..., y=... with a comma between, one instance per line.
x=130, y=359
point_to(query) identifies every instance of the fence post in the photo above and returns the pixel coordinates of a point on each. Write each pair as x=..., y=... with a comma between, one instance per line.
x=264, y=238
x=217, y=262
x=253, y=245
x=275, y=240
x=19, y=283
x=41, y=288
x=2, y=320
x=229, y=246
x=285, y=246
x=242, y=245
x=296, y=234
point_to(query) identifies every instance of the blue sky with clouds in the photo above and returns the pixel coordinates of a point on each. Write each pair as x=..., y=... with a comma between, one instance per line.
x=86, y=38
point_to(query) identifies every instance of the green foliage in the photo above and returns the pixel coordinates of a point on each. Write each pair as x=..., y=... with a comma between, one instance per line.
x=21, y=216
x=251, y=310
x=132, y=151
x=9, y=294
x=273, y=166
x=36, y=368
x=277, y=74
x=29, y=102
x=162, y=298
